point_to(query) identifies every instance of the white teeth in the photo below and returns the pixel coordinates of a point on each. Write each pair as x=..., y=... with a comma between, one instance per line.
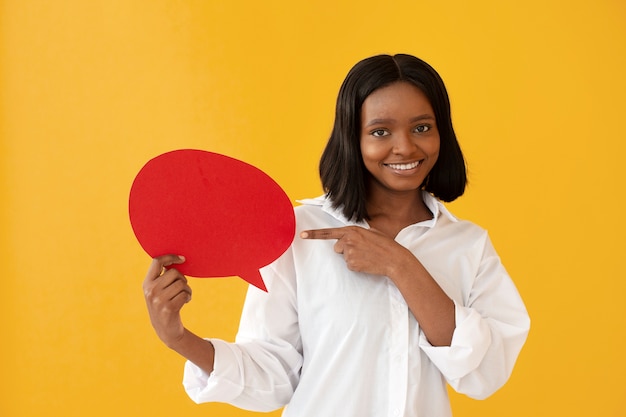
x=402, y=167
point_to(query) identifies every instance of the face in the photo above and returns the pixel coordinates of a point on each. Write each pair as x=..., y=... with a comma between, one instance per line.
x=399, y=137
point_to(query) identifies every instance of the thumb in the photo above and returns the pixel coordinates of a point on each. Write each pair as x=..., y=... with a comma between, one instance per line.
x=158, y=263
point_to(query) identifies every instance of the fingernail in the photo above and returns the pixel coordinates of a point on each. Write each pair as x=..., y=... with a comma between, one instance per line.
x=304, y=235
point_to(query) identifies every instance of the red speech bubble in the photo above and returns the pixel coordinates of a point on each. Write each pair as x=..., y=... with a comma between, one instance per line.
x=224, y=216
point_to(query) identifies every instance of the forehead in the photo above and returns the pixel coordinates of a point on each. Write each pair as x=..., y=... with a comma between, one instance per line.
x=397, y=99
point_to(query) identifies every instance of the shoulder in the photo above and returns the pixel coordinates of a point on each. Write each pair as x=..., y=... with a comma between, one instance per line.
x=319, y=202
x=317, y=213
x=310, y=207
x=462, y=229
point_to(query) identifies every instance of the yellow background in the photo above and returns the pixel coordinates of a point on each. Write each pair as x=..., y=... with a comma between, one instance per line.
x=90, y=90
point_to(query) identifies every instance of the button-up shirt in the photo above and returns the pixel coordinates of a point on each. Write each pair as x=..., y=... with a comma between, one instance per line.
x=327, y=341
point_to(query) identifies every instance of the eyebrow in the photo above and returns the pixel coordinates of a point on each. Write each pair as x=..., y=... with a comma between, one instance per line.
x=387, y=121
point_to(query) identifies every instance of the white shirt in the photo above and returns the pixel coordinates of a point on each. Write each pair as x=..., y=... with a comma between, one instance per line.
x=326, y=341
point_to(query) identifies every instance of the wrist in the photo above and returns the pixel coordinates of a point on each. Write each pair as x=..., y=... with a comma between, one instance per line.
x=195, y=349
x=402, y=266
x=176, y=341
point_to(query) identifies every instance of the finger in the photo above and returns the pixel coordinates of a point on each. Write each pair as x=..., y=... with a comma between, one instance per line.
x=157, y=265
x=177, y=287
x=180, y=300
x=171, y=277
x=161, y=297
x=338, y=248
x=330, y=233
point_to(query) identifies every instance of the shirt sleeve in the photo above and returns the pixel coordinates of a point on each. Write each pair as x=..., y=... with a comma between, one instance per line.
x=260, y=371
x=490, y=332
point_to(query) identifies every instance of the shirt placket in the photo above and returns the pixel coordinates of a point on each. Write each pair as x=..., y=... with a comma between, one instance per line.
x=398, y=354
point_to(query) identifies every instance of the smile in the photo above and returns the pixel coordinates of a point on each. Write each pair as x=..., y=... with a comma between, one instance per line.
x=404, y=167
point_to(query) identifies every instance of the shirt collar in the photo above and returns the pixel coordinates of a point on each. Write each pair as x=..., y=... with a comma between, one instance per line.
x=435, y=206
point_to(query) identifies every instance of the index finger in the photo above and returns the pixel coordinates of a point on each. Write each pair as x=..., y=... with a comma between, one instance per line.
x=161, y=262
x=330, y=233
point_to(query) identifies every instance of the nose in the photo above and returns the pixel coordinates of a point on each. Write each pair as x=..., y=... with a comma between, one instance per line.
x=403, y=144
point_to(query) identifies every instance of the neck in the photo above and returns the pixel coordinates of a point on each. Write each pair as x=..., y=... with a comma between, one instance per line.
x=391, y=212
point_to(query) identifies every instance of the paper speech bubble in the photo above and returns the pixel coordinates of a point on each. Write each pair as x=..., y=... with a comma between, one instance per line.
x=224, y=216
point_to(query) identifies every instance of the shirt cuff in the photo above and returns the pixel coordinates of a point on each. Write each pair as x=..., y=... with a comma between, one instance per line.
x=470, y=343
x=218, y=386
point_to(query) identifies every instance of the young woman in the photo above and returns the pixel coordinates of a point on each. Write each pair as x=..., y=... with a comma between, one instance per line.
x=384, y=296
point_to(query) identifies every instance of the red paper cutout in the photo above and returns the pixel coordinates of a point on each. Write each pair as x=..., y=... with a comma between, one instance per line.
x=224, y=216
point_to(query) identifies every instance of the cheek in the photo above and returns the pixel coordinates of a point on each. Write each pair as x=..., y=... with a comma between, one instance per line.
x=370, y=164
x=436, y=153
x=433, y=148
x=370, y=152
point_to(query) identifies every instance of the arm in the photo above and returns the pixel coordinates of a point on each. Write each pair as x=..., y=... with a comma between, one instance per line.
x=166, y=291
x=430, y=305
x=491, y=323
x=261, y=369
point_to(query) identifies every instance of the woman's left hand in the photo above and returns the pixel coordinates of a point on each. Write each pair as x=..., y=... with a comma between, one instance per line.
x=364, y=250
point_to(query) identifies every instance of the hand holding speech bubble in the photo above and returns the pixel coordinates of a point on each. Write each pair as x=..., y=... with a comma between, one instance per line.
x=224, y=216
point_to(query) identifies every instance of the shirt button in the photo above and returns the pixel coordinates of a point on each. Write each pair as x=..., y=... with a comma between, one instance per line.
x=396, y=412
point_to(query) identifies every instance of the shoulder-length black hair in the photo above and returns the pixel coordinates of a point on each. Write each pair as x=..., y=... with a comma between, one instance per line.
x=342, y=170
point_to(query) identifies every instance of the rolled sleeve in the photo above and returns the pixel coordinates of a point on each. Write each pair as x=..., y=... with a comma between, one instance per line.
x=470, y=342
x=483, y=351
x=221, y=385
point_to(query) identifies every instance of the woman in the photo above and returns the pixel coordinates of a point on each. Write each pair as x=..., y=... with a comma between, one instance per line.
x=385, y=296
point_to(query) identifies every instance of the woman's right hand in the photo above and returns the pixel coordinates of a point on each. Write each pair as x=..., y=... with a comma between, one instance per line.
x=166, y=292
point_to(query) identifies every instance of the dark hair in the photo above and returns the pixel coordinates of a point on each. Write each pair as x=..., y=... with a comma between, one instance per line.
x=342, y=171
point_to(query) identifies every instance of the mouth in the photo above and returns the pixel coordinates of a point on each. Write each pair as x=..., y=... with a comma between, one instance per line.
x=404, y=167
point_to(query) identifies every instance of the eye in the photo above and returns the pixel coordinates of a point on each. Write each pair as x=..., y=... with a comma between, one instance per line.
x=379, y=133
x=422, y=128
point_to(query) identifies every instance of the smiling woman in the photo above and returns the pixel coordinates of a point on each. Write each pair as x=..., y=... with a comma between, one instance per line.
x=394, y=281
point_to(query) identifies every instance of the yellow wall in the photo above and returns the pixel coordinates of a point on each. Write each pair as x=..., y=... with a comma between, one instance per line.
x=90, y=90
